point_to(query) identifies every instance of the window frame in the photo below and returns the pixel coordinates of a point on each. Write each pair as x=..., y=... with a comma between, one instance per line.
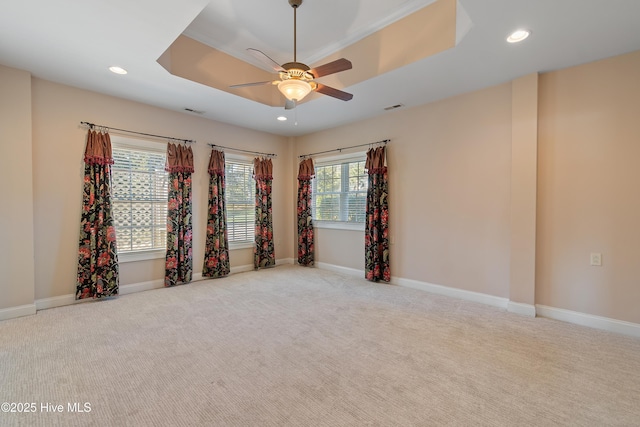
x=244, y=160
x=333, y=161
x=120, y=142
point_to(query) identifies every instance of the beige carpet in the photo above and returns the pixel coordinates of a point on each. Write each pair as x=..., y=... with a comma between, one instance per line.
x=305, y=347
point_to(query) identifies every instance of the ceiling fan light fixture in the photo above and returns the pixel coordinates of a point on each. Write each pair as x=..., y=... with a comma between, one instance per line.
x=296, y=78
x=294, y=89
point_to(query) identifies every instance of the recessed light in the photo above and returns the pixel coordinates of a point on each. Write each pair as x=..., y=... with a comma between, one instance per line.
x=282, y=118
x=518, y=36
x=117, y=70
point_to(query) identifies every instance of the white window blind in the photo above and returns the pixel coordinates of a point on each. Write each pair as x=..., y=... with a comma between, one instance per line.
x=240, y=193
x=340, y=192
x=140, y=190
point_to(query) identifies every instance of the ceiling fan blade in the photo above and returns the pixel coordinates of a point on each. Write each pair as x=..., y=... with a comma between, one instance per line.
x=326, y=90
x=331, y=68
x=253, y=84
x=261, y=56
x=289, y=104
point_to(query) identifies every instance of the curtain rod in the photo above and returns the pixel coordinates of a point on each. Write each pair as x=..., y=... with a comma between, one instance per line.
x=243, y=151
x=384, y=141
x=186, y=141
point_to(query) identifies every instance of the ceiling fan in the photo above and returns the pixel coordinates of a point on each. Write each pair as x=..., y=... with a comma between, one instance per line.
x=297, y=80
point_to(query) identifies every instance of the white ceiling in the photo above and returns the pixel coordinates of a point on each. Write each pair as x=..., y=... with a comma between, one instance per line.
x=74, y=42
x=324, y=26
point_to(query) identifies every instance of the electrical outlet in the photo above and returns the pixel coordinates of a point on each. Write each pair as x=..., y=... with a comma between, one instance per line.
x=596, y=259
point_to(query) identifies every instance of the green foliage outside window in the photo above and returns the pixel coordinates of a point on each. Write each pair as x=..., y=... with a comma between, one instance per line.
x=340, y=192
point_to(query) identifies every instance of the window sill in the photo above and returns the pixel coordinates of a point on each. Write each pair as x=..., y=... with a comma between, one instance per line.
x=339, y=225
x=233, y=246
x=162, y=253
x=141, y=255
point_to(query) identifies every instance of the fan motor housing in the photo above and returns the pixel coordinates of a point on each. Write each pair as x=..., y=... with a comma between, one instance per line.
x=295, y=65
x=296, y=70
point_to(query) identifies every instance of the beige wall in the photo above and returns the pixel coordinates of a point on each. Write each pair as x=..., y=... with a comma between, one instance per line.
x=588, y=188
x=449, y=178
x=456, y=170
x=507, y=191
x=16, y=205
x=58, y=143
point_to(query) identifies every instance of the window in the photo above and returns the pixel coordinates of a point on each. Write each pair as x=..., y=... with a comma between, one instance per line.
x=140, y=191
x=240, y=190
x=340, y=193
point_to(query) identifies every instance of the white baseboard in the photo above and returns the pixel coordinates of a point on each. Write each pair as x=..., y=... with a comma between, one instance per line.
x=250, y=267
x=132, y=288
x=424, y=286
x=62, y=300
x=452, y=292
x=597, y=322
x=590, y=320
x=242, y=268
x=522, y=309
x=141, y=287
x=18, y=311
x=340, y=269
x=59, y=301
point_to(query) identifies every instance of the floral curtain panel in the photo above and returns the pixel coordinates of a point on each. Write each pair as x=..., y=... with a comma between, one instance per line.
x=98, y=270
x=264, y=254
x=216, y=253
x=377, y=220
x=305, y=222
x=179, y=260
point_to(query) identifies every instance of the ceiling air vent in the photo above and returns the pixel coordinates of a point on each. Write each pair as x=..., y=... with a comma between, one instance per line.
x=191, y=110
x=393, y=107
